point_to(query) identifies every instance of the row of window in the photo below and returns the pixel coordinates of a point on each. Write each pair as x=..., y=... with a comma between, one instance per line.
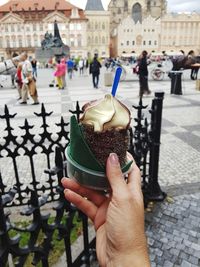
x=40, y=27
x=150, y=42
x=96, y=25
x=145, y=30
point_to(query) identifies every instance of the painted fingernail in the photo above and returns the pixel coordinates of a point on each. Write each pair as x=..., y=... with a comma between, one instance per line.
x=113, y=159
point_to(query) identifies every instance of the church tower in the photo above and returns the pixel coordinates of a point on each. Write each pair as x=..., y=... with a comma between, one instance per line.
x=157, y=8
x=94, y=5
x=98, y=28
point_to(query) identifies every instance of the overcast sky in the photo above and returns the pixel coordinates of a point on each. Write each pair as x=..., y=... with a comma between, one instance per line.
x=173, y=5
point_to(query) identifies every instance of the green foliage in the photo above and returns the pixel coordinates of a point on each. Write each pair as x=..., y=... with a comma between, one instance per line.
x=58, y=245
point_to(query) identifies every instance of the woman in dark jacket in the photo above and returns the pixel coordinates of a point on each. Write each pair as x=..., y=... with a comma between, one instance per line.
x=143, y=74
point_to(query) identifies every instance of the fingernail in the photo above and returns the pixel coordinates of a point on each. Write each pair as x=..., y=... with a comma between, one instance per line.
x=113, y=159
x=66, y=191
x=63, y=179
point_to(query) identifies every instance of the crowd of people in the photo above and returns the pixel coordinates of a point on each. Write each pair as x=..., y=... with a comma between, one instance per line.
x=26, y=74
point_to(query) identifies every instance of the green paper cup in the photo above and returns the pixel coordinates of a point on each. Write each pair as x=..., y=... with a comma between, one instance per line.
x=87, y=177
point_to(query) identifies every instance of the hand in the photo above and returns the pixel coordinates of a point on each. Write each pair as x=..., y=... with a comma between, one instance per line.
x=118, y=217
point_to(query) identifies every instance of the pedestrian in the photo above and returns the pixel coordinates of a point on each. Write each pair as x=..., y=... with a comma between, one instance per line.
x=143, y=74
x=95, y=70
x=29, y=84
x=58, y=74
x=118, y=216
x=64, y=69
x=18, y=79
x=85, y=65
x=34, y=67
x=194, y=70
x=70, y=67
x=81, y=66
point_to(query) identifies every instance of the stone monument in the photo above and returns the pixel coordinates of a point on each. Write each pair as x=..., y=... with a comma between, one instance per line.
x=52, y=46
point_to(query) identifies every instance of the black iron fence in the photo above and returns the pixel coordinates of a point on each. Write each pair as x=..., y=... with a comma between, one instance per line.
x=33, y=195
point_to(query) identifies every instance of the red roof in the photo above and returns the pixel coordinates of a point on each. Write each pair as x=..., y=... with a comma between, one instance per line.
x=40, y=5
x=33, y=4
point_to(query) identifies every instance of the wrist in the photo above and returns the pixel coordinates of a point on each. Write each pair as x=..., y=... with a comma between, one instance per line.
x=139, y=259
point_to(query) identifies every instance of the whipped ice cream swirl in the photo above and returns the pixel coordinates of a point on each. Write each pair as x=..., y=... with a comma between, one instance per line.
x=106, y=114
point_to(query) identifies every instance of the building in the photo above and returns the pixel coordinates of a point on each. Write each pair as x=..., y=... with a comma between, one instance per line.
x=146, y=25
x=98, y=28
x=24, y=23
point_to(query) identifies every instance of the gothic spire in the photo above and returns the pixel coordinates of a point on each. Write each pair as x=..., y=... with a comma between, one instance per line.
x=95, y=5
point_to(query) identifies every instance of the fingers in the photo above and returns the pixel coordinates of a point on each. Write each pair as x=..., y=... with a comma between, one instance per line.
x=81, y=203
x=134, y=177
x=114, y=174
x=92, y=195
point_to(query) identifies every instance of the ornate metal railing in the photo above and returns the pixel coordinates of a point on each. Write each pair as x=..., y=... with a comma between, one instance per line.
x=33, y=195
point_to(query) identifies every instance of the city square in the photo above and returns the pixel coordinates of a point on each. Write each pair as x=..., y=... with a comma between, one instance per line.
x=172, y=225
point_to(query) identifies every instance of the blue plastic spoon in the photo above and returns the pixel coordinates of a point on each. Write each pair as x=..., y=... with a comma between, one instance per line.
x=116, y=80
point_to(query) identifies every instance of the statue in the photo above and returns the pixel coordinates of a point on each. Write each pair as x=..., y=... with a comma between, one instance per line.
x=51, y=41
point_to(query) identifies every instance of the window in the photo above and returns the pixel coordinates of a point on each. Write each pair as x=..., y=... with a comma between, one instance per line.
x=13, y=41
x=12, y=28
x=79, y=26
x=144, y=42
x=127, y=43
x=7, y=42
x=133, y=42
x=155, y=42
x=34, y=27
x=20, y=41
x=103, y=40
x=71, y=27
x=96, y=40
x=103, y=26
x=137, y=13
x=35, y=40
x=18, y=27
x=149, y=42
x=41, y=27
x=79, y=40
x=29, y=41
x=72, y=43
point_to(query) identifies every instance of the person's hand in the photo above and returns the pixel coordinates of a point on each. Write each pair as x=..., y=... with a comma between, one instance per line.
x=118, y=217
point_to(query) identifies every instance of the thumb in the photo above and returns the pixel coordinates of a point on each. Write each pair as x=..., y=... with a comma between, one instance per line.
x=114, y=173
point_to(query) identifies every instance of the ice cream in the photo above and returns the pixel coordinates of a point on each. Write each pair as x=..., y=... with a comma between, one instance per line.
x=105, y=126
x=102, y=129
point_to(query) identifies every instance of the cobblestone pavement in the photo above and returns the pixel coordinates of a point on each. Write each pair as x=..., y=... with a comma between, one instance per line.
x=173, y=229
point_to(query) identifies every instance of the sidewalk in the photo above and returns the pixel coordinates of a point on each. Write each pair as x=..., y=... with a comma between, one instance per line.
x=173, y=229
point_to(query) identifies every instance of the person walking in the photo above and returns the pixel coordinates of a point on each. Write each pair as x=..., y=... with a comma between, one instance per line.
x=143, y=74
x=194, y=70
x=81, y=66
x=34, y=67
x=95, y=71
x=18, y=80
x=70, y=67
x=29, y=84
x=64, y=69
x=58, y=74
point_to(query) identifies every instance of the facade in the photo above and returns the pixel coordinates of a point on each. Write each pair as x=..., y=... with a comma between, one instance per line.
x=145, y=25
x=98, y=29
x=24, y=23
